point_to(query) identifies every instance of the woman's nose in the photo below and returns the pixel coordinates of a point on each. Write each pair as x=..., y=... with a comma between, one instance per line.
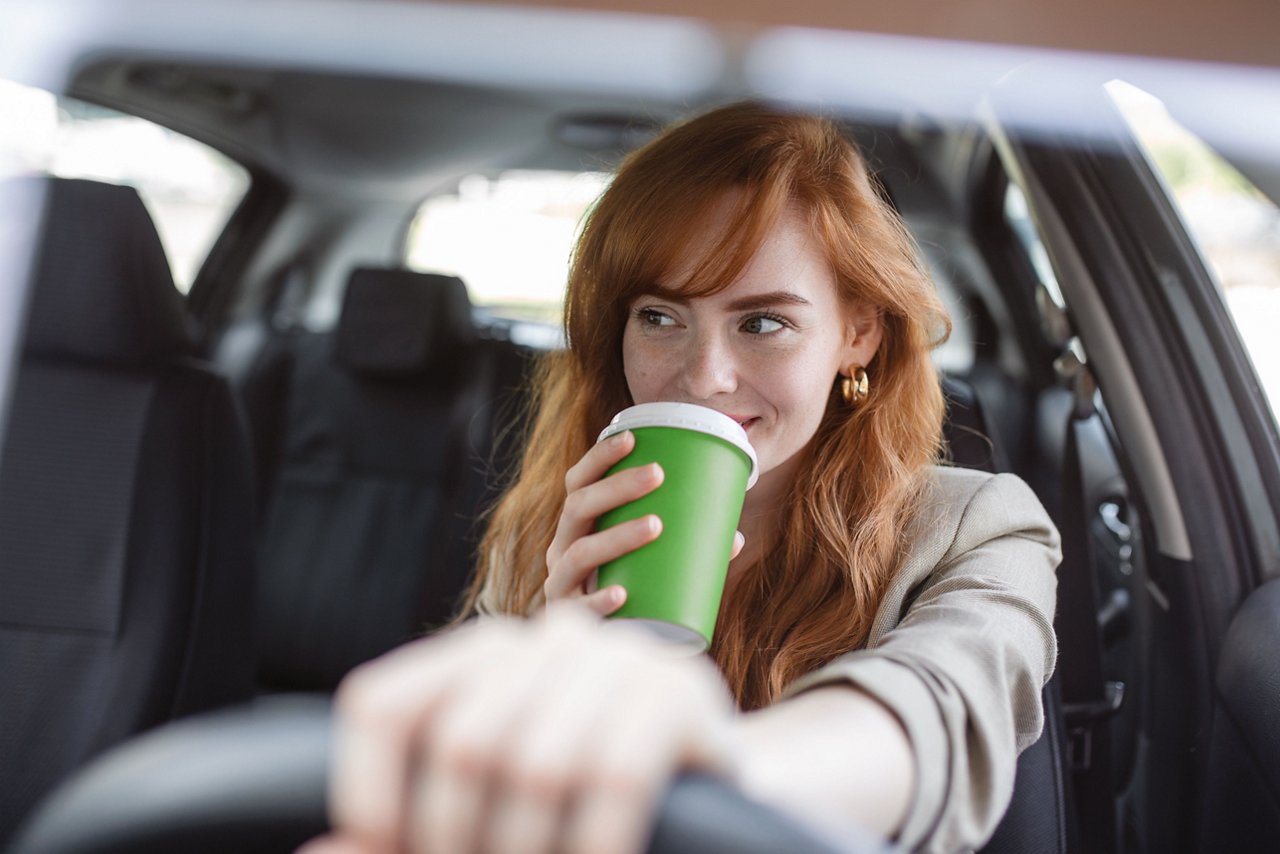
x=709, y=369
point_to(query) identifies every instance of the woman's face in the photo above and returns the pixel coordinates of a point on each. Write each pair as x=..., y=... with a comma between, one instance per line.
x=765, y=351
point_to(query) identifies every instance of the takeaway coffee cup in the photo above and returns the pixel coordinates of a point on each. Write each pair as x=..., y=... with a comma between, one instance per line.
x=674, y=583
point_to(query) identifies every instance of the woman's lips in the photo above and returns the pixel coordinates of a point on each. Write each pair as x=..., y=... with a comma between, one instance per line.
x=743, y=421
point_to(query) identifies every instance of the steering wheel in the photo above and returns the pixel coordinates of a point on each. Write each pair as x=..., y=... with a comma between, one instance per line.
x=253, y=779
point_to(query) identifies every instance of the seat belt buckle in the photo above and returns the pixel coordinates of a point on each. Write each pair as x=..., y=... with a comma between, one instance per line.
x=1083, y=718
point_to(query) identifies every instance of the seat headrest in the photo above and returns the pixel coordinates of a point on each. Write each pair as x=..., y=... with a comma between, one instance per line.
x=969, y=435
x=102, y=289
x=397, y=323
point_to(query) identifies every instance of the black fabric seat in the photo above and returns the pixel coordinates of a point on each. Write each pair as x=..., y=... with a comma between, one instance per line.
x=384, y=458
x=967, y=431
x=125, y=505
x=1039, y=815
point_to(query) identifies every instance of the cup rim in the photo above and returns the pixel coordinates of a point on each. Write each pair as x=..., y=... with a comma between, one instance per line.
x=690, y=416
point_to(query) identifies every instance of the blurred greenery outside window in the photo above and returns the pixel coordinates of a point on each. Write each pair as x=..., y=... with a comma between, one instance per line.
x=189, y=189
x=1236, y=227
x=508, y=236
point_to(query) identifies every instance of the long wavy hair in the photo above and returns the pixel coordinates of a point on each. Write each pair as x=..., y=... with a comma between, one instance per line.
x=814, y=592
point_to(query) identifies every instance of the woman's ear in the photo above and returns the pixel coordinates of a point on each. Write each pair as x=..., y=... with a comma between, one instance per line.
x=862, y=334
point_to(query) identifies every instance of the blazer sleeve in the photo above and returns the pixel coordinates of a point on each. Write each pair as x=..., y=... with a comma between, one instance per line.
x=964, y=666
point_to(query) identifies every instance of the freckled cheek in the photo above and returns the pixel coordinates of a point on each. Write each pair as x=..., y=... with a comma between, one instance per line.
x=647, y=373
x=643, y=388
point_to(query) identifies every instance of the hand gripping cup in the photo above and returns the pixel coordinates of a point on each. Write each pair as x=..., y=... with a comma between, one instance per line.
x=674, y=583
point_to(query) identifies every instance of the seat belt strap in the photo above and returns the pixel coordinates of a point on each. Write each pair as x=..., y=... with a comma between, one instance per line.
x=1089, y=700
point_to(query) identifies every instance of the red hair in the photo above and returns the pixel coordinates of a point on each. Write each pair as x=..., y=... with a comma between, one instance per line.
x=813, y=594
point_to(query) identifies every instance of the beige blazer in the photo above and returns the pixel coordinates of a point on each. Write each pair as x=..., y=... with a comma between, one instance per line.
x=960, y=648
x=959, y=651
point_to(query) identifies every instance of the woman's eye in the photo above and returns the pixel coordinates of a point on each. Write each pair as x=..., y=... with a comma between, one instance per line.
x=762, y=324
x=653, y=317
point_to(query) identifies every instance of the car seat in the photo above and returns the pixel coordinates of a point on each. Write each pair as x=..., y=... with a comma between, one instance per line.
x=125, y=504
x=385, y=457
x=1039, y=816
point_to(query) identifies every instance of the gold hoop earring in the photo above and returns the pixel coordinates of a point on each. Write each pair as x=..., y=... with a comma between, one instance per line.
x=855, y=387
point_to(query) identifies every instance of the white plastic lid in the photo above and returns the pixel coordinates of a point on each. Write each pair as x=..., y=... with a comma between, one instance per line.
x=688, y=416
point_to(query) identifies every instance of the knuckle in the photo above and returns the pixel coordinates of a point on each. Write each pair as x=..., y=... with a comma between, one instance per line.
x=464, y=758
x=618, y=784
x=352, y=690
x=592, y=841
x=554, y=589
x=536, y=782
x=582, y=557
x=596, y=837
x=573, y=504
x=362, y=699
x=572, y=476
x=573, y=555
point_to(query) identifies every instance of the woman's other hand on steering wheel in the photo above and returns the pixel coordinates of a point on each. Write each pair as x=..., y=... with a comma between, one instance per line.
x=555, y=734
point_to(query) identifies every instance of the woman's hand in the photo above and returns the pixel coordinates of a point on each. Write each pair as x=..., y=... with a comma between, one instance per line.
x=577, y=548
x=556, y=734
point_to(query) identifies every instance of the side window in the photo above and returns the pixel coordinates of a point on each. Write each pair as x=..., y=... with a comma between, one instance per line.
x=1236, y=227
x=508, y=237
x=189, y=188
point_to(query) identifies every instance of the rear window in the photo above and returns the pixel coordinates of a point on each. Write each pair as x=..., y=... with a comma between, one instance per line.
x=508, y=237
x=189, y=188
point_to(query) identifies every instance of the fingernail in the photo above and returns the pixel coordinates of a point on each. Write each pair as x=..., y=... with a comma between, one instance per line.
x=739, y=539
x=617, y=595
x=653, y=524
x=620, y=439
x=655, y=470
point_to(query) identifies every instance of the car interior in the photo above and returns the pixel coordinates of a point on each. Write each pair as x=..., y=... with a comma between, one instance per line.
x=249, y=489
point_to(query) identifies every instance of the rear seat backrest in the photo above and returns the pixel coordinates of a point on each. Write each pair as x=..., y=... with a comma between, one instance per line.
x=125, y=505
x=383, y=464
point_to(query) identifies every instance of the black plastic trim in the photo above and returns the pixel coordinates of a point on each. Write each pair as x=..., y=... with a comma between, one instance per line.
x=214, y=289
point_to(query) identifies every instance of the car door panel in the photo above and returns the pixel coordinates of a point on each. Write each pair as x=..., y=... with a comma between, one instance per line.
x=1242, y=811
x=1192, y=789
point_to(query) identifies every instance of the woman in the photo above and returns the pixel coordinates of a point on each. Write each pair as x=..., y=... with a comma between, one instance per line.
x=887, y=623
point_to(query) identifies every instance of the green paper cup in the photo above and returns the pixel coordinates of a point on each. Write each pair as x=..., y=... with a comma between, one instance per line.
x=674, y=583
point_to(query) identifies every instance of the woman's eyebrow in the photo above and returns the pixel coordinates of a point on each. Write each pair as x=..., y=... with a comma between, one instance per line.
x=765, y=300
x=747, y=303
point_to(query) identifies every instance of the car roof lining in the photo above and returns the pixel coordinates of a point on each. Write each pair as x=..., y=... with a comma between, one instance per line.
x=360, y=134
x=353, y=134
